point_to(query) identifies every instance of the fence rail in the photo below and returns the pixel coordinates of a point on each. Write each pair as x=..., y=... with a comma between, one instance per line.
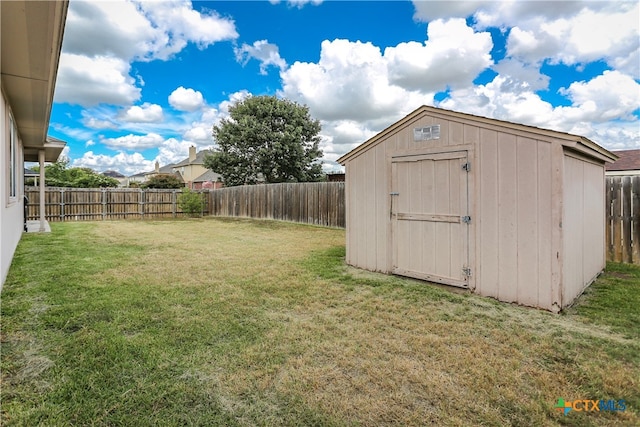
x=623, y=218
x=321, y=203
x=91, y=204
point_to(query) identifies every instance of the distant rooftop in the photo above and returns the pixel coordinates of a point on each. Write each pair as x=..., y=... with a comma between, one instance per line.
x=629, y=160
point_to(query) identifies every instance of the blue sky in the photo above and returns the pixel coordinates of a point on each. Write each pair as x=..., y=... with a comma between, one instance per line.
x=143, y=81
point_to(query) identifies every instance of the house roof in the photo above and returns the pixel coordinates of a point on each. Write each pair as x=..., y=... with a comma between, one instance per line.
x=627, y=160
x=29, y=172
x=575, y=142
x=113, y=174
x=209, y=176
x=31, y=36
x=199, y=160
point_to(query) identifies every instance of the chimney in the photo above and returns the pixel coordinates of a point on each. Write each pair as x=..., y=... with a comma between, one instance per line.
x=192, y=153
x=157, y=167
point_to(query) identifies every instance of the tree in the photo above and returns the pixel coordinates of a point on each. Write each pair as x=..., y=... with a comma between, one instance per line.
x=58, y=174
x=163, y=180
x=266, y=139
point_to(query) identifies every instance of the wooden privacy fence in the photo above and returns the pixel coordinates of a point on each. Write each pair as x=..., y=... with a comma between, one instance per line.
x=321, y=203
x=623, y=218
x=90, y=204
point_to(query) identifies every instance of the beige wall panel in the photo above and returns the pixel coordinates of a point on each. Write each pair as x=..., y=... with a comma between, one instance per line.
x=527, y=222
x=583, y=229
x=545, y=249
x=458, y=253
x=572, y=226
x=471, y=134
x=443, y=231
x=381, y=213
x=428, y=182
x=456, y=133
x=487, y=214
x=348, y=209
x=369, y=217
x=594, y=255
x=507, y=218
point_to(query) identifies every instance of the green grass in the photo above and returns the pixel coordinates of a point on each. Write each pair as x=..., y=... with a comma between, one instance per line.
x=239, y=322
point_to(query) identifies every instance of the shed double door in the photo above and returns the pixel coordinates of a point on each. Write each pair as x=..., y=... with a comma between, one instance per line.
x=430, y=217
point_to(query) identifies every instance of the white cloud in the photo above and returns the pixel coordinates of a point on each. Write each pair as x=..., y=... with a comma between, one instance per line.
x=173, y=151
x=610, y=96
x=145, y=113
x=350, y=82
x=452, y=57
x=95, y=65
x=590, y=35
x=602, y=108
x=127, y=164
x=265, y=52
x=133, y=142
x=92, y=81
x=95, y=123
x=141, y=30
x=186, y=99
x=298, y=3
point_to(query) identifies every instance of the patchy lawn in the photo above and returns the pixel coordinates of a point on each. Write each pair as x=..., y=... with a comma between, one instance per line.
x=239, y=322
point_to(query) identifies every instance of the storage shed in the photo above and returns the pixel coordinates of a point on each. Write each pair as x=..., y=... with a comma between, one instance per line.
x=506, y=210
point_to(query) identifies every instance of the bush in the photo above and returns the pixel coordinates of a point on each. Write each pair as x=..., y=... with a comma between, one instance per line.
x=163, y=181
x=191, y=203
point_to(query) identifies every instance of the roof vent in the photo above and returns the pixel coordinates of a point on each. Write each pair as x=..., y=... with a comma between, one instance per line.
x=426, y=133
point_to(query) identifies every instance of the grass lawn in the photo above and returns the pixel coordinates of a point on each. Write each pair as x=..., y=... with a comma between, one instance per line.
x=240, y=322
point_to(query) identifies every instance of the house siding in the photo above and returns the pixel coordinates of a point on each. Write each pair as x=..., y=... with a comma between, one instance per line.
x=11, y=208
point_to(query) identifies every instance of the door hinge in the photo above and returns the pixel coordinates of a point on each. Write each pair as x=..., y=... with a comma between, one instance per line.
x=467, y=167
x=465, y=219
x=466, y=272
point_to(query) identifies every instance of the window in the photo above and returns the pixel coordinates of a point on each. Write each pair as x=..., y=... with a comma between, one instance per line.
x=13, y=162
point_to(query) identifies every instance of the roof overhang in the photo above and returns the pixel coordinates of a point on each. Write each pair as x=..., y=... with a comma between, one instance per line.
x=31, y=40
x=575, y=142
x=52, y=150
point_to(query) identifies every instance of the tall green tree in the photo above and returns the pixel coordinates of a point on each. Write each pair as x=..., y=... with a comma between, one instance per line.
x=266, y=139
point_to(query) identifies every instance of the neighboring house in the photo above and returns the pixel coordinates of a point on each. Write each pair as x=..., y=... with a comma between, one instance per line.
x=122, y=180
x=209, y=179
x=335, y=177
x=628, y=163
x=138, y=178
x=31, y=34
x=164, y=170
x=192, y=168
x=31, y=175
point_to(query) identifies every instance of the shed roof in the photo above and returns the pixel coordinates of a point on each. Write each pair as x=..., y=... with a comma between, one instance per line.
x=627, y=160
x=576, y=142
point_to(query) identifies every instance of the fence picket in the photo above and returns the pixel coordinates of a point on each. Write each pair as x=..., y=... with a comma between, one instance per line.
x=623, y=219
x=311, y=202
x=90, y=204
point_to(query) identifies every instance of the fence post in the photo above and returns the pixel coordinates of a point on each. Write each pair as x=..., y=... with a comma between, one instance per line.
x=141, y=202
x=104, y=204
x=62, y=215
x=174, y=209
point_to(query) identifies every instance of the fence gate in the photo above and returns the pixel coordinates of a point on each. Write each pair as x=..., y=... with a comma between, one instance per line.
x=429, y=215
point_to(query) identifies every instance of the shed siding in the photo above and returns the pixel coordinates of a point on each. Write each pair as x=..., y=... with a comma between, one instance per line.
x=537, y=231
x=514, y=218
x=366, y=222
x=582, y=226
